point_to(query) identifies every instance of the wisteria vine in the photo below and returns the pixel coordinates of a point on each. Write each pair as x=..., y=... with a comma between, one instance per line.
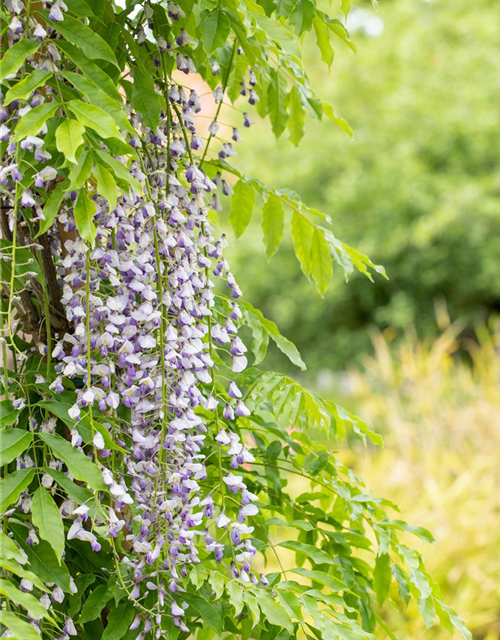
x=142, y=336
x=136, y=436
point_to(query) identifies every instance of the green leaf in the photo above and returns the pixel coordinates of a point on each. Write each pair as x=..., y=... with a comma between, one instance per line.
x=8, y=415
x=304, y=525
x=69, y=138
x=345, y=418
x=93, y=117
x=253, y=605
x=339, y=121
x=302, y=16
x=285, y=7
x=297, y=116
x=100, y=98
x=216, y=581
x=209, y=613
x=120, y=148
x=291, y=603
x=260, y=339
x=237, y=75
x=421, y=581
x=446, y=613
x=74, y=604
x=48, y=520
x=427, y=610
x=91, y=70
x=320, y=261
x=106, y=185
x=198, y=575
x=116, y=590
x=362, y=262
x=80, y=8
x=119, y=620
x=235, y=592
x=26, y=600
x=80, y=467
x=95, y=603
x=208, y=4
x=20, y=629
x=302, y=233
x=83, y=426
x=403, y=586
x=323, y=41
x=338, y=29
x=13, y=485
x=75, y=492
x=120, y=171
x=9, y=549
x=400, y=525
x=286, y=346
x=17, y=569
x=214, y=30
x=85, y=211
x=333, y=583
x=273, y=612
x=273, y=220
x=409, y=555
x=43, y=561
x=109, y=442
x=25, y=87
x=52, y=206
x=12, y=443
x=25, y=264
x=242, y=204
x=345, y=7
x=79, y=34
x=382, y=577
x=144, y=98
x=13, y=58
x=318, y=556
x=98, y=7
x=31, y=123
x=277, y=96
x=80, y=171
x=275, y=30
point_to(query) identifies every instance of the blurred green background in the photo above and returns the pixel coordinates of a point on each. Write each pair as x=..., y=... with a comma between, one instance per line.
x=418, y=190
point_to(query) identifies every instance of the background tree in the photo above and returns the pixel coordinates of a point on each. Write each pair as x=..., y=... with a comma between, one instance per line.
x=416, y=188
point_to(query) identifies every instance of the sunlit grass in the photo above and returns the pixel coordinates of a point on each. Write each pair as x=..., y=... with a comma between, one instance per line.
x=438, y=406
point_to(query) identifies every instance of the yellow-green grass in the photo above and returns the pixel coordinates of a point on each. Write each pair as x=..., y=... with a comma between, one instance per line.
x=438, y=407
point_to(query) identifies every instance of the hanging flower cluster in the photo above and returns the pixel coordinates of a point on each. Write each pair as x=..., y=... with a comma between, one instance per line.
x=151, y=332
